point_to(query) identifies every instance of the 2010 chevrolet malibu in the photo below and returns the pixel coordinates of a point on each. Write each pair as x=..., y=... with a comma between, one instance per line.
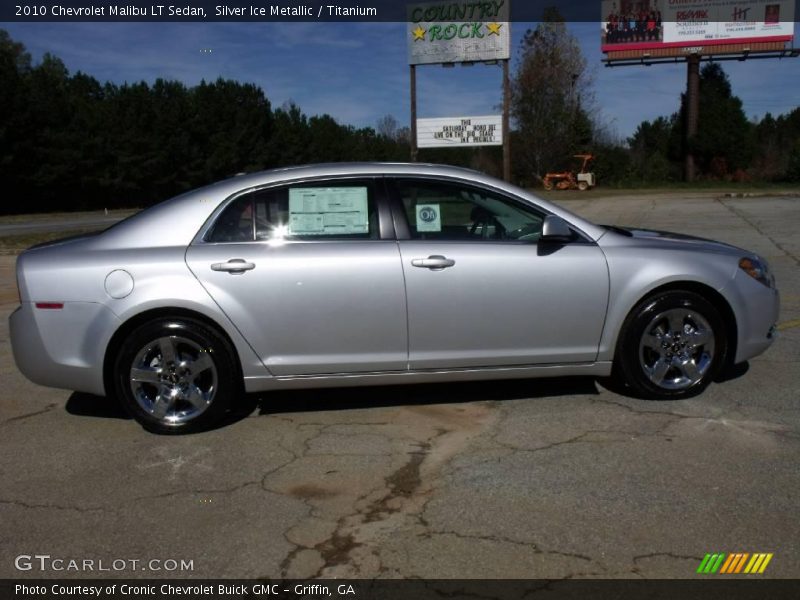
x=354, y=274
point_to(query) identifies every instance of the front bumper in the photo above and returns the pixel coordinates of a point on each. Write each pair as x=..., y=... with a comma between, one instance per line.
x=757, y=308
x=63, y=348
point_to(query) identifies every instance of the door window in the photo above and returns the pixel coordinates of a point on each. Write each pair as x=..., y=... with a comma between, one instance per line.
x=340, y=210
x=451, y=212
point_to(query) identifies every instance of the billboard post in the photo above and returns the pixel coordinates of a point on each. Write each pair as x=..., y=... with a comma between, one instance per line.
x=692, y=111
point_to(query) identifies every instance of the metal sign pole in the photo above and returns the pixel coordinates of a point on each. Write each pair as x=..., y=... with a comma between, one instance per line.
x=414, y=150
x=506, y=129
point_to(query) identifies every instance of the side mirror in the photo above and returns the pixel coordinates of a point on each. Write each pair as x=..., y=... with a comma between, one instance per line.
x=555, y=229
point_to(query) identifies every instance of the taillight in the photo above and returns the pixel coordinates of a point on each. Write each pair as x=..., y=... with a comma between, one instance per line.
x=50, y=305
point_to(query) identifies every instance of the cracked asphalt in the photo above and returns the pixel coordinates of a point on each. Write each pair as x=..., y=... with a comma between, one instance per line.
x=523, y=479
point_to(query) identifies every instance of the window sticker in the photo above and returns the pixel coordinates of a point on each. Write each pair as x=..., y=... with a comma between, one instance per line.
x=328, y=211
x=429, y=217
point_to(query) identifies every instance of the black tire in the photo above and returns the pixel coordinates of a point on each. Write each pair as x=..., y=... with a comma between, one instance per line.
x=655, y=363
x=190, y=393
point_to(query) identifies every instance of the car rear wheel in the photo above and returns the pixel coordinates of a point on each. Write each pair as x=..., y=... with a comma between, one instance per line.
x=175, y=375
x=671, y=346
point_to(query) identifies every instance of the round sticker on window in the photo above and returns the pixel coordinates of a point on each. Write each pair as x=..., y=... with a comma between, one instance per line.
x=428, y=218
x=428, y=215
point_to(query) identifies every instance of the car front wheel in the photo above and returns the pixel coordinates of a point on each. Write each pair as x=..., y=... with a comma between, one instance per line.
x=175, y=375
x=671, y=346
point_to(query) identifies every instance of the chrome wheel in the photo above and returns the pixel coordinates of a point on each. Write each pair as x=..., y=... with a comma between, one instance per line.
x=677, y=349
x=173, y=379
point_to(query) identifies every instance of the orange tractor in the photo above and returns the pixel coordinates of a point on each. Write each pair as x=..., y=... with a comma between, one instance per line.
x=582, y=180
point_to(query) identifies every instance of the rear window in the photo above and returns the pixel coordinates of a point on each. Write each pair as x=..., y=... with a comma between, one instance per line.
x=319, y=211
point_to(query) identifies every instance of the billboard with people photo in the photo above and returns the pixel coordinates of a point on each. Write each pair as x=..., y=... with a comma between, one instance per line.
x=656, y=24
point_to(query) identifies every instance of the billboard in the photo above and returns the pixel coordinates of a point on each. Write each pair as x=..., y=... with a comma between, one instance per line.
x=452, y=132
x=463, y=31
x=694, y=25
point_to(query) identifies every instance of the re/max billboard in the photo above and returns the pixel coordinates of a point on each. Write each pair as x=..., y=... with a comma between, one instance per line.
x=643, y=25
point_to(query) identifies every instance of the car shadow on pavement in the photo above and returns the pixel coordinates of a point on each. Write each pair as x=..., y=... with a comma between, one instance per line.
x=349, y=398
x=733, y=372
x=89, y=405
x=728, y=374
x=355, y=398
x=352, y=398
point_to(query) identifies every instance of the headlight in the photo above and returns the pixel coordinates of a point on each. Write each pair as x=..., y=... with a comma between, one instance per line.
x=757, y=269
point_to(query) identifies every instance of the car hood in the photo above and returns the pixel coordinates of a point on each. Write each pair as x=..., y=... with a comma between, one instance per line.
x=668, y=239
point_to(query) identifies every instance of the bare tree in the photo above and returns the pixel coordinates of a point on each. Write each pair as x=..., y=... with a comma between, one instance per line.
x=551, y=97
x=387, y=127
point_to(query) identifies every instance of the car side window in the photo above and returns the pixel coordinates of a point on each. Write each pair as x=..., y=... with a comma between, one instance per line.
x=325, y=210
x=453, y=212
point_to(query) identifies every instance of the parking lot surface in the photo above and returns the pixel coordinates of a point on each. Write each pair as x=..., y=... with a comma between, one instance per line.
x=522, y=479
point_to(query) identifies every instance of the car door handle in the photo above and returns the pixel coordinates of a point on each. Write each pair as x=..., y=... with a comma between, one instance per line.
x=235, y=266
x=435, y=263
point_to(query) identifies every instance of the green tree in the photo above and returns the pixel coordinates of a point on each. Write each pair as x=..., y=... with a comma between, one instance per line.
x=291, y=139
x=650, y=150
x=793, y=163
x=231, y=123
x=723, y=142
x=15, y=65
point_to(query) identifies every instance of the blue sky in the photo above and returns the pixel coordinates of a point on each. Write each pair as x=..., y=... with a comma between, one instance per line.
x=357, y=72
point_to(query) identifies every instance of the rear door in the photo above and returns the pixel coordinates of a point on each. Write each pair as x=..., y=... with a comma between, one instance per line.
x=310, y=275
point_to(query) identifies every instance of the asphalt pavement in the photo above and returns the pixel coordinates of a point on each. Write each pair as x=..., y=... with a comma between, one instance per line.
x=523, y=479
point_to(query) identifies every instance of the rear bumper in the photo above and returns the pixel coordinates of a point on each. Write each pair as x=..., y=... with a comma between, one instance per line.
x=63, y=348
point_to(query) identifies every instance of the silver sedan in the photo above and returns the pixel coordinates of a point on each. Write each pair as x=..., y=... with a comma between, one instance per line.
x=363, y=274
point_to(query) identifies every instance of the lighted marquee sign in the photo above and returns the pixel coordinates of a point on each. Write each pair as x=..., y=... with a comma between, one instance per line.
x=630, y=25
x=460, y=131
x=465, y=31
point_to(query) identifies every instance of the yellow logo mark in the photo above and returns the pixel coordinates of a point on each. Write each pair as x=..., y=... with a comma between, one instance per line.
x=494, y=28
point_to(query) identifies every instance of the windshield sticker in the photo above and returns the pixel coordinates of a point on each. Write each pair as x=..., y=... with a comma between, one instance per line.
x=429, y=217
x=328, y=211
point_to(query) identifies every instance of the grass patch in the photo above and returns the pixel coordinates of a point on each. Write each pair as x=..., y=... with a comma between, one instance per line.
x=66, y=216
x=14, y=244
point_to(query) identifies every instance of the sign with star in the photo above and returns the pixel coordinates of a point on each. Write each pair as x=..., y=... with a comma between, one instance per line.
x=460, y=31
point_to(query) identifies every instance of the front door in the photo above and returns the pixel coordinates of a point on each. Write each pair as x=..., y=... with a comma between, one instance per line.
x=483, y=291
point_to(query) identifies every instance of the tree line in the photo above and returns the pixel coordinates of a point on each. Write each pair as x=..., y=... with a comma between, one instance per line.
x=69, y=142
